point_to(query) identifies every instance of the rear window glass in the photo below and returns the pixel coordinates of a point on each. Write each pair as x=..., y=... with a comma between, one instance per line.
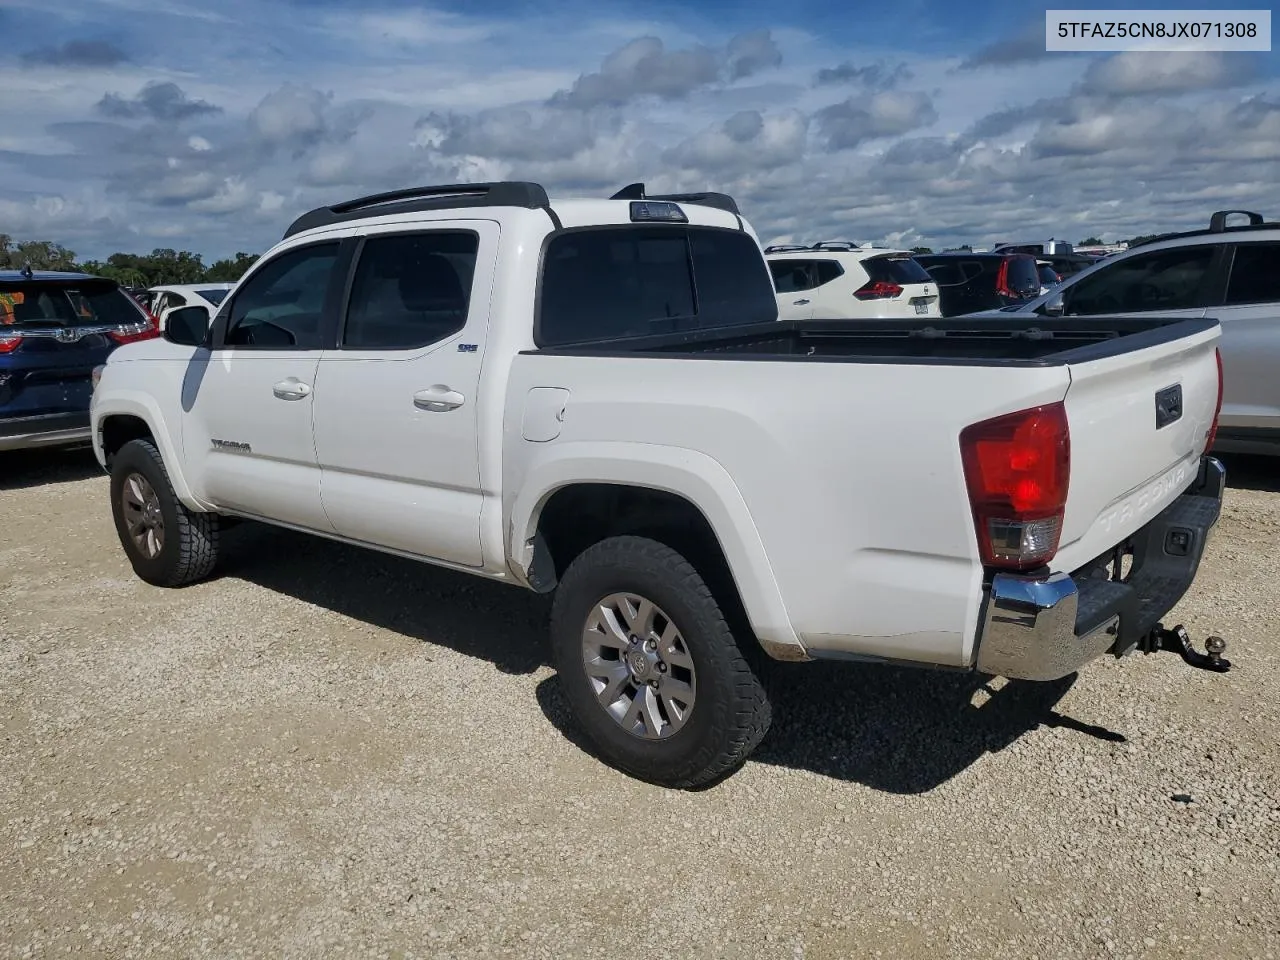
x=895, y=270
x=611, y=282
x=213, y=296
x=54, y=304
x=951, y=271
x=1022, y=275
x=1047, y=274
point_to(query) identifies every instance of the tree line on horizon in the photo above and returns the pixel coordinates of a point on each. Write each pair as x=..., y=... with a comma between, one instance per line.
x=165, y=266
x=160, y=266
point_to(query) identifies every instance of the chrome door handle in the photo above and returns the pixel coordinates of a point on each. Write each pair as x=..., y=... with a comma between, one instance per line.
x=438, y=398
x=291, y=388
x=799, y=302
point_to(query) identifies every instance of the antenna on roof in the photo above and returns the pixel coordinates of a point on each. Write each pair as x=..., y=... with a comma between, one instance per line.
x=632, y=191
x=27, y=272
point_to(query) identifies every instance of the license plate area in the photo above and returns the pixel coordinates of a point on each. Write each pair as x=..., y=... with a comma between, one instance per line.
x=921, y=304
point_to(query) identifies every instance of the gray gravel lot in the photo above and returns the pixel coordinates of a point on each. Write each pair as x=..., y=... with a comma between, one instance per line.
x=330, y=753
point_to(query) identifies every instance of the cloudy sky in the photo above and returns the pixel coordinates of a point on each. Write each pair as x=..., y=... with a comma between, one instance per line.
x=132, y=124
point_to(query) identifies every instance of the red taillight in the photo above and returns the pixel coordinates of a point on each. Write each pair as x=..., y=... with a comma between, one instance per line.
x=147, y=328
x=1017, y=468
x=1217, y=411
x=10, y=342
x=1002, y=280
x=878, y=290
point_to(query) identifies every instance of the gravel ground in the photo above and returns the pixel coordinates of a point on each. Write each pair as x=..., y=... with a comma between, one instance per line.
x=330, y=753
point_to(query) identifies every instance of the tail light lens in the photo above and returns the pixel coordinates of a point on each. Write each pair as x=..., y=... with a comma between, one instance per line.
x=878, y=290
x=1002, y=280
x=1217, y=410
x=1017, y=469
x=148, y=328
x=10, y=342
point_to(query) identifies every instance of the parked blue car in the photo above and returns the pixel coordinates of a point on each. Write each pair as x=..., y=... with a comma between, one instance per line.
x=54, y=329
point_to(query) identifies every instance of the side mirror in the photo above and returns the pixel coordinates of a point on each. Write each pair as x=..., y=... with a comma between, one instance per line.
x=1053, y=307
x=187, y=326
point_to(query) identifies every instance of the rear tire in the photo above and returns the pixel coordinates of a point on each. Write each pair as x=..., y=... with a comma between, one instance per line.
x=167, y=544
x=649, y=667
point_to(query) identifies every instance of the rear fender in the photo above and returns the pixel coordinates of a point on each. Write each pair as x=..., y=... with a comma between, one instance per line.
x=693, y=476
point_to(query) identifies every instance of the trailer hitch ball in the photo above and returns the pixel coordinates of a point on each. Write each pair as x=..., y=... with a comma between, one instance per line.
x=1178, y=641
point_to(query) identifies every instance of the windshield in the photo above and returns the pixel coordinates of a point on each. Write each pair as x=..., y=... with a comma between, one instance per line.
x=215, y=296
x=63, y=304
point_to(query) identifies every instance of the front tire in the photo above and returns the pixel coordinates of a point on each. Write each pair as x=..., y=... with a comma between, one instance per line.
x=167, y=544
x=650, y=669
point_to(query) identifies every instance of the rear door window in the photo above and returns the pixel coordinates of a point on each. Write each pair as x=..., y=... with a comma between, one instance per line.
x=410, y=289
x=605, y=283
x=826, y=271
x=1255, y=274
x=1163, y=280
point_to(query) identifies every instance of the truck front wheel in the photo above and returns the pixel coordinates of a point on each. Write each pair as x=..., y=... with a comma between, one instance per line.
x=167, y=544
x=649, y=666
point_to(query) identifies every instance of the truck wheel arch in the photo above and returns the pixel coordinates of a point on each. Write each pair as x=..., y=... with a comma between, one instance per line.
x=682, y=498
x=138, y=418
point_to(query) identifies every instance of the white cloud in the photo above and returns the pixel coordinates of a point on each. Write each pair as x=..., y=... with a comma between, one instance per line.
x=1134, y=73
x=815, y=136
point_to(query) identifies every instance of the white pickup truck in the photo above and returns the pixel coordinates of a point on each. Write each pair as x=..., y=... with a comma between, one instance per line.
x=596, y=397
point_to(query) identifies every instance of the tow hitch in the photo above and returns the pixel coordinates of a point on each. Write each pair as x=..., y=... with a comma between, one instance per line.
x=1178, y=641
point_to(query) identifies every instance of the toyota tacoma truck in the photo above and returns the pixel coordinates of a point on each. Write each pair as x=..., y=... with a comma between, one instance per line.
x=596, y=397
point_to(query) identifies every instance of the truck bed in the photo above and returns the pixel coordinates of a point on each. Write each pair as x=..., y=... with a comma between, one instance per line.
x=956, y=341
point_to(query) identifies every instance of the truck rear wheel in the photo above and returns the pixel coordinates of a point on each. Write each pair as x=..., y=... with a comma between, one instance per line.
x=649, y=666
x=167, y=544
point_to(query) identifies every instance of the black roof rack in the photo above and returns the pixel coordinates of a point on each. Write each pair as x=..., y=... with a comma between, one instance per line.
x=1217, y=224
x=785, y=247
x=836, y=245
x=720, y=201
x=513, y=193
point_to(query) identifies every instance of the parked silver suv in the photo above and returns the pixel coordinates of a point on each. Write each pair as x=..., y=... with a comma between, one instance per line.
x=1228, y=272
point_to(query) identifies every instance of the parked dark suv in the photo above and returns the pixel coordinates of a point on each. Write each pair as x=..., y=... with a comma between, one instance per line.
x=54, y=329
x=969, y=282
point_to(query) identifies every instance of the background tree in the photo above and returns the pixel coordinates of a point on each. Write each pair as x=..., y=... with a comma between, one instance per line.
x=40, y=254
x=230, y=270
x=160, y=266
x=922, y=249
x=1089, y=242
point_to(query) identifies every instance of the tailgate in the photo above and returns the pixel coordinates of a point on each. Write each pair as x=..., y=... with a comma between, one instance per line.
x=1139, y=422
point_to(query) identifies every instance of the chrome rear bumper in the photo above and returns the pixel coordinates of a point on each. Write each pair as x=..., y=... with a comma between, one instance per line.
x=1043, y=628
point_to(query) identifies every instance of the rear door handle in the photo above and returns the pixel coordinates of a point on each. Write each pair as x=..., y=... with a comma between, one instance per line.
x=438, y=398
x=291, y=388
x=800, y=302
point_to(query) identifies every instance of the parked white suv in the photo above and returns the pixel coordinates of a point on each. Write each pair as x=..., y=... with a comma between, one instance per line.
x=837, y=280
x=1230, y=273
x=170, y=297
x=596, y=397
